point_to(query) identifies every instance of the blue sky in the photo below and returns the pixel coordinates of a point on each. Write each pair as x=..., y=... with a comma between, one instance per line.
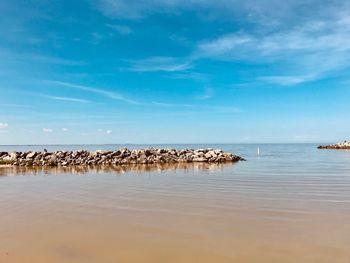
x=179, y=71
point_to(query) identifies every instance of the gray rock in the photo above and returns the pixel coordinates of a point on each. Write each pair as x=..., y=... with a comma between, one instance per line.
x=31, y=155
x=199, y=159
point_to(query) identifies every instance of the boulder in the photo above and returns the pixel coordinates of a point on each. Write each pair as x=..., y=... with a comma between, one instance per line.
x=121, y=156
x=199, y=159
x=31, y=155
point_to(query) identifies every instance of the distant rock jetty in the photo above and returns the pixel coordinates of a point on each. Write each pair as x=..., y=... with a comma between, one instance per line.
x=337, y=146
x=119, y=157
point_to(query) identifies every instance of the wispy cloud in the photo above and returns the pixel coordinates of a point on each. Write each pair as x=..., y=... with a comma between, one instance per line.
x=47, y=130
x=104, y=131
x=3, y=125
x=123, y=30
x=311, y=51
x=312, y=39
x=288, y=80
x=68, y=99
x=201, y=77
x=221, y=46
x=125, y=9
x=169, y=64
x=253, y=10
x=163, y=104
x=96, y=38
x=105, y=93
x=306, y=39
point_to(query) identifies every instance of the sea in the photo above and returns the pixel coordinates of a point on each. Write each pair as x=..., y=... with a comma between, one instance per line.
x=290, y=203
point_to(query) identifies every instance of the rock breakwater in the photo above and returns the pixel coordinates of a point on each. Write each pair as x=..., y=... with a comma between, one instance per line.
x=337, y=146
x=117, y=157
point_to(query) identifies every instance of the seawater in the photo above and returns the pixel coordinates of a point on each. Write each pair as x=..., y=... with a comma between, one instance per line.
x=290, y=204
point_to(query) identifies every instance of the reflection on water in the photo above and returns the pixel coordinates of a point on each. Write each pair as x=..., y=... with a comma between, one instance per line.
x=101, y=169
x=291, y=204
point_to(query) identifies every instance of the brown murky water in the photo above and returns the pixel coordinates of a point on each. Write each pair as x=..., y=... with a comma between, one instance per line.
x=268, y=209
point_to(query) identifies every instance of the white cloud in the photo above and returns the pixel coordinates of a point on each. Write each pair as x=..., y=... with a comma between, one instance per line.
x=306, y=53
x=96, y=38
x=301, y=39
x=222, y=46
x=136, y=9
x=169, y=64
x=264, y=11
x=64, y=129
x=68, y=99
x=288, y=80
x=123, y=30
x=128, y=9
x=3, y=125
x=201, y=77
x=47, y=130
x=108, y=94
x=104, y=131
x=312, y=39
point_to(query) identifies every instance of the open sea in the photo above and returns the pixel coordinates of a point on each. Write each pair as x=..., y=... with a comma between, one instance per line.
x=290, y=204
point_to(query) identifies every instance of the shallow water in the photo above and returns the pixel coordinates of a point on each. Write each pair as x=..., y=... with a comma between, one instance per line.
x=291, y=204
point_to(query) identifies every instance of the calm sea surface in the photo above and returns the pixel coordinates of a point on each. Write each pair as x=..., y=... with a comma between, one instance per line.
x=291, y=204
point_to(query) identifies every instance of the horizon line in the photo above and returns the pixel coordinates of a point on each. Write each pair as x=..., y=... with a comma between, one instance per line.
x=197, y=143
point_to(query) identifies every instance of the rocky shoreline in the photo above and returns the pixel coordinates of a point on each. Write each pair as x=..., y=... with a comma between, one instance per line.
x=337, y=146
x=118, y=157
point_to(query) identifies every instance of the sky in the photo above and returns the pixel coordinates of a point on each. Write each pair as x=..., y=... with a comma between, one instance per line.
x=177, y=71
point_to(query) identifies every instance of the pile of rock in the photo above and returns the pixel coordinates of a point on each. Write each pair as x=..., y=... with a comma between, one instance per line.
x=118, y=157
x=337, y=146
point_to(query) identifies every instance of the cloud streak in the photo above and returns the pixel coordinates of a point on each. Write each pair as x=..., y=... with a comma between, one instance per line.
x=167, y=64
x=313, y=39
x=260, y=11
x=123, y=30
x=47, y=130
x=288, y=80
x=104, y=131
x=68, y=99
x=3, y=125
x=108, y=94
x=311, y=51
